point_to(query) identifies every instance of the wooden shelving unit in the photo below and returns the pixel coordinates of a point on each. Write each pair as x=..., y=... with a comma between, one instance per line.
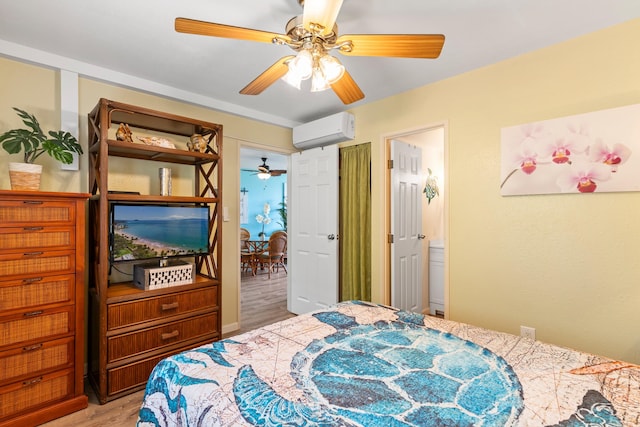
x=131, y=329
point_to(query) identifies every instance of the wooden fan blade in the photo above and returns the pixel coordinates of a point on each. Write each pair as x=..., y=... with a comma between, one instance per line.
x=192, y=26
x=347, y=89
x=278, y=172
x=394, y=45
x=268, y=77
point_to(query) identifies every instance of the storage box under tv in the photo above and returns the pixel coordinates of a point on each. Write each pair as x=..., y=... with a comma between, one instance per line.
x=153, y=276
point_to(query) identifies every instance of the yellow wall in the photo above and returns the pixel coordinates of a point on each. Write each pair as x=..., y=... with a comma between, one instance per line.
x=37, y=90
x=564, y=264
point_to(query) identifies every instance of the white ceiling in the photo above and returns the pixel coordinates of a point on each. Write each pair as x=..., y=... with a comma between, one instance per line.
x=133, y=43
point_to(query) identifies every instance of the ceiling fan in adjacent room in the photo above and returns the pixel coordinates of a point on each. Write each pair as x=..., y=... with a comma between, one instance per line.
x=313, y=36
x=265, y=172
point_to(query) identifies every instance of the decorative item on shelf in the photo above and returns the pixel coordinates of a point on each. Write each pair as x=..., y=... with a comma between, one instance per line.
x=124, y=133
x=165, y=181
x=197, y=142
x=156, y=141
x=264, y=219
x=151, y=276
x=431, y=187
x=60, y=145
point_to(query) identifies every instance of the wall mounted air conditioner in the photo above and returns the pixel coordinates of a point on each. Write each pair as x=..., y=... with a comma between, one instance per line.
x=327, y=130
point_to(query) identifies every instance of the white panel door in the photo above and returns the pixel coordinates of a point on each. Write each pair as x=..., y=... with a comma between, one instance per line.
x=313, y=230
x=406, y=226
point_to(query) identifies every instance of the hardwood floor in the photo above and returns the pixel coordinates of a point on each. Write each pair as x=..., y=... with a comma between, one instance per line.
x=262, y=301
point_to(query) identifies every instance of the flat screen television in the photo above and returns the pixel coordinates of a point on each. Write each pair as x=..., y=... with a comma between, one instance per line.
x=146, y=231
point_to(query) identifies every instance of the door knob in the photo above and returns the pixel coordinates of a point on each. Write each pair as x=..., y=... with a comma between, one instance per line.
x=331, y=237
x=421, y=236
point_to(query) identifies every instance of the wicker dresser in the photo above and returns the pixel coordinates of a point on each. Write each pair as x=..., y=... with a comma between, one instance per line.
x=42, y=257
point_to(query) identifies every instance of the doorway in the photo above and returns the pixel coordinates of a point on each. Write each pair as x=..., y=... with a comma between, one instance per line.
x=263, y=210
x=431, y=140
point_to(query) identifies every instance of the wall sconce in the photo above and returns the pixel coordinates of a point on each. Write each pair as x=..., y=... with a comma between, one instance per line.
x=431, y=187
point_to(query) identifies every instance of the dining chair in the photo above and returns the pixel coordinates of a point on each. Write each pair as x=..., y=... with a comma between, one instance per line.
x=276, y=252
x=246, y=254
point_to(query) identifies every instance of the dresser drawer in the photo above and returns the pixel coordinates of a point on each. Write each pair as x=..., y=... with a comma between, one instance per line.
x=28, y=213
x=135, y=375
x=36, y=325
x=34, y=359
x=35, y=392
x=133, y=312
x=126, y=345
x=15, y=239
x=37, y=291
x=33, y=263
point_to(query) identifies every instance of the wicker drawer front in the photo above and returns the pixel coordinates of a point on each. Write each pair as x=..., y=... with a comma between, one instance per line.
x=36, y=358
x=36, y=291
x=135, y=375
x=130, y=313
x=126, y=345
x=36, y=325
x=36, y=237
x=37, y=262
x=30, y=212
x=35, y=392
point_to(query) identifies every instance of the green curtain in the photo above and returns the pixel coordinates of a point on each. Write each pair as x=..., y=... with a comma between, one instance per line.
x=355, y=223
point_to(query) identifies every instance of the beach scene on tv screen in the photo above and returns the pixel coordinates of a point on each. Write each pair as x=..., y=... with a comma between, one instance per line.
x=147, y=232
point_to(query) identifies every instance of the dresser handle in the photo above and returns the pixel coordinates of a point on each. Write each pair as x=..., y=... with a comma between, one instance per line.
x=32, y=347
x=33, y=313
x=32, y=202
x=33, y=253
x=33, y=228
x=32, y=382
x=31, y=280
x=170, y=335
x=166, y=307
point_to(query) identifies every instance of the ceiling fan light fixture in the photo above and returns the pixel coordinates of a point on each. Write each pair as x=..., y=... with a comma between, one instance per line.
x=263, y=175
x=292, y=79
x=302, y=65
x=318, y=81
x=332, y=69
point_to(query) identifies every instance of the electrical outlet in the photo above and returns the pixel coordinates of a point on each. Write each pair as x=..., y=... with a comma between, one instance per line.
x=528, y=332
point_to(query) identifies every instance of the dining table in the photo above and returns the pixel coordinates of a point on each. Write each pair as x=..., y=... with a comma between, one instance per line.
x=256, y=248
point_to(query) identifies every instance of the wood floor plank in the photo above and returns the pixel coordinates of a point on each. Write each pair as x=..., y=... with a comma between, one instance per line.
x=262, y=302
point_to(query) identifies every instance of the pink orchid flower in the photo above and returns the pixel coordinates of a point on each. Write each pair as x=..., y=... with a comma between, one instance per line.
x=532, y=133
x=584, y=177
x=561, y=149
x=526, y=160
x=601, y=153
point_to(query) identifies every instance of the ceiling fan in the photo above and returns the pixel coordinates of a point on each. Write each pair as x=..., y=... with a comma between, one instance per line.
x=313, y=35
x=265, y=172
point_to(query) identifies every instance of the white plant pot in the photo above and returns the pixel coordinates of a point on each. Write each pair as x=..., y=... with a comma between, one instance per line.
x=25, y=176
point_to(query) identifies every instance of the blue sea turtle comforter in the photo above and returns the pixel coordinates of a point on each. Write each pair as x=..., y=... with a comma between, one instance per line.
x=361, y=364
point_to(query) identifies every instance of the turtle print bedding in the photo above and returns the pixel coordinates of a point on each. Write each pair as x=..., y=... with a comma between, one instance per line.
x=362, y=364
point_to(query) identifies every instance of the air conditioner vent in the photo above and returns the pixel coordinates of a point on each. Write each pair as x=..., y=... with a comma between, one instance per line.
x=327, y=130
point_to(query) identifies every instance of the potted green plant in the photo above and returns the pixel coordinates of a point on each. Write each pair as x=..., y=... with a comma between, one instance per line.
x=59, y=144
x=282, y=210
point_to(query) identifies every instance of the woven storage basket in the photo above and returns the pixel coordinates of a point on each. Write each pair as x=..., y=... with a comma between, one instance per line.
x=25, y=176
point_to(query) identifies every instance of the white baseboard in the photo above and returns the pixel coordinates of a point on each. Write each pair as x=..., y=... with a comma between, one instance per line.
x=226, y=329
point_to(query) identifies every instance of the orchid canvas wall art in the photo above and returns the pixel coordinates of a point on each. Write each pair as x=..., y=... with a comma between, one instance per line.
x=586, y=153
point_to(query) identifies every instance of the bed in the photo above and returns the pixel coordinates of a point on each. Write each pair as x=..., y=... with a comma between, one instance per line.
x=363, y=364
